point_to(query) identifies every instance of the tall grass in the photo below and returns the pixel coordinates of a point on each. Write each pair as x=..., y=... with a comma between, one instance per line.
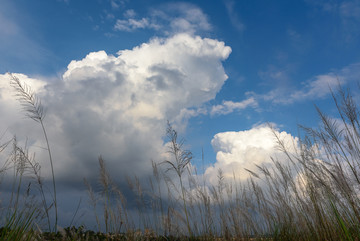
x=22, y=211
x=34, y=110
x=181, y=160
x=314, y=195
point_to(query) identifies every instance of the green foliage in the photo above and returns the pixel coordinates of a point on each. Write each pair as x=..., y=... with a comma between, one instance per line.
x=19, y=226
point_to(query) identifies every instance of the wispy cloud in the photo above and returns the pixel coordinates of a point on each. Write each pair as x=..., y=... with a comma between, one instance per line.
x=228, y=107
x=350, y=9
x=130, y=13
x=298, y=41
x=116, y=4
x=317, y=87
x=345, y=9
x=282, y=93
x=234, y=17
x=348, y=12
x=169, y=19
x=132, y=24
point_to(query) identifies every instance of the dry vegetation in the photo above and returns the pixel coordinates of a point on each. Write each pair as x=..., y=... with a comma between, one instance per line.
x=314, y=196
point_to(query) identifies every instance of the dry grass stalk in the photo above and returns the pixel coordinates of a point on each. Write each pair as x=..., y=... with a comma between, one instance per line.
x=34, y=110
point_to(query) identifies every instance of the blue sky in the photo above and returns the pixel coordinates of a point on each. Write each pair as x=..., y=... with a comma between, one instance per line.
x=111, y=73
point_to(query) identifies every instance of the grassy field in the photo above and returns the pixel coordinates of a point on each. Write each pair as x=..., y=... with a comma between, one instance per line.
x=313, y=196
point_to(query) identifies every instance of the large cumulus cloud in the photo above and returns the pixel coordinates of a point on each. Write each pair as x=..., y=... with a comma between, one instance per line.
x=118, y=105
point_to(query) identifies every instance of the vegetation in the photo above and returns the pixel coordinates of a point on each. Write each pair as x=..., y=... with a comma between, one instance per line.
x=33, y=109
x=313, y=196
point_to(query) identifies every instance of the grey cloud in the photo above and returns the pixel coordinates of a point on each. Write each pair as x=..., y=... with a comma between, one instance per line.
x=162, y=75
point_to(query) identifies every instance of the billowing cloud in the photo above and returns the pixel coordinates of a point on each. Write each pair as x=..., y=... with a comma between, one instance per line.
x=237, y=151
x=169, y=19
x=118, y=106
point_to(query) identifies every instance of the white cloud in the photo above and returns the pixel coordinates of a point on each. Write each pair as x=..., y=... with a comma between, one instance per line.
x=118, y=106
x=169, y=18
x=181, y=120
x=236, y=151
x=6, y=92
x=130, y=13
x=13, y=121
x=321, y=85
x=185, y=17
x=318, y=88
x=116, y=4
x=110, y=16
x=8, y=103
x=132, y=24
x=229, y=106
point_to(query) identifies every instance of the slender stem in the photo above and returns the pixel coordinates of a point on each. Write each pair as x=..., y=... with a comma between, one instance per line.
x=52, y=172
x=34, y=110
x=185, y=209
